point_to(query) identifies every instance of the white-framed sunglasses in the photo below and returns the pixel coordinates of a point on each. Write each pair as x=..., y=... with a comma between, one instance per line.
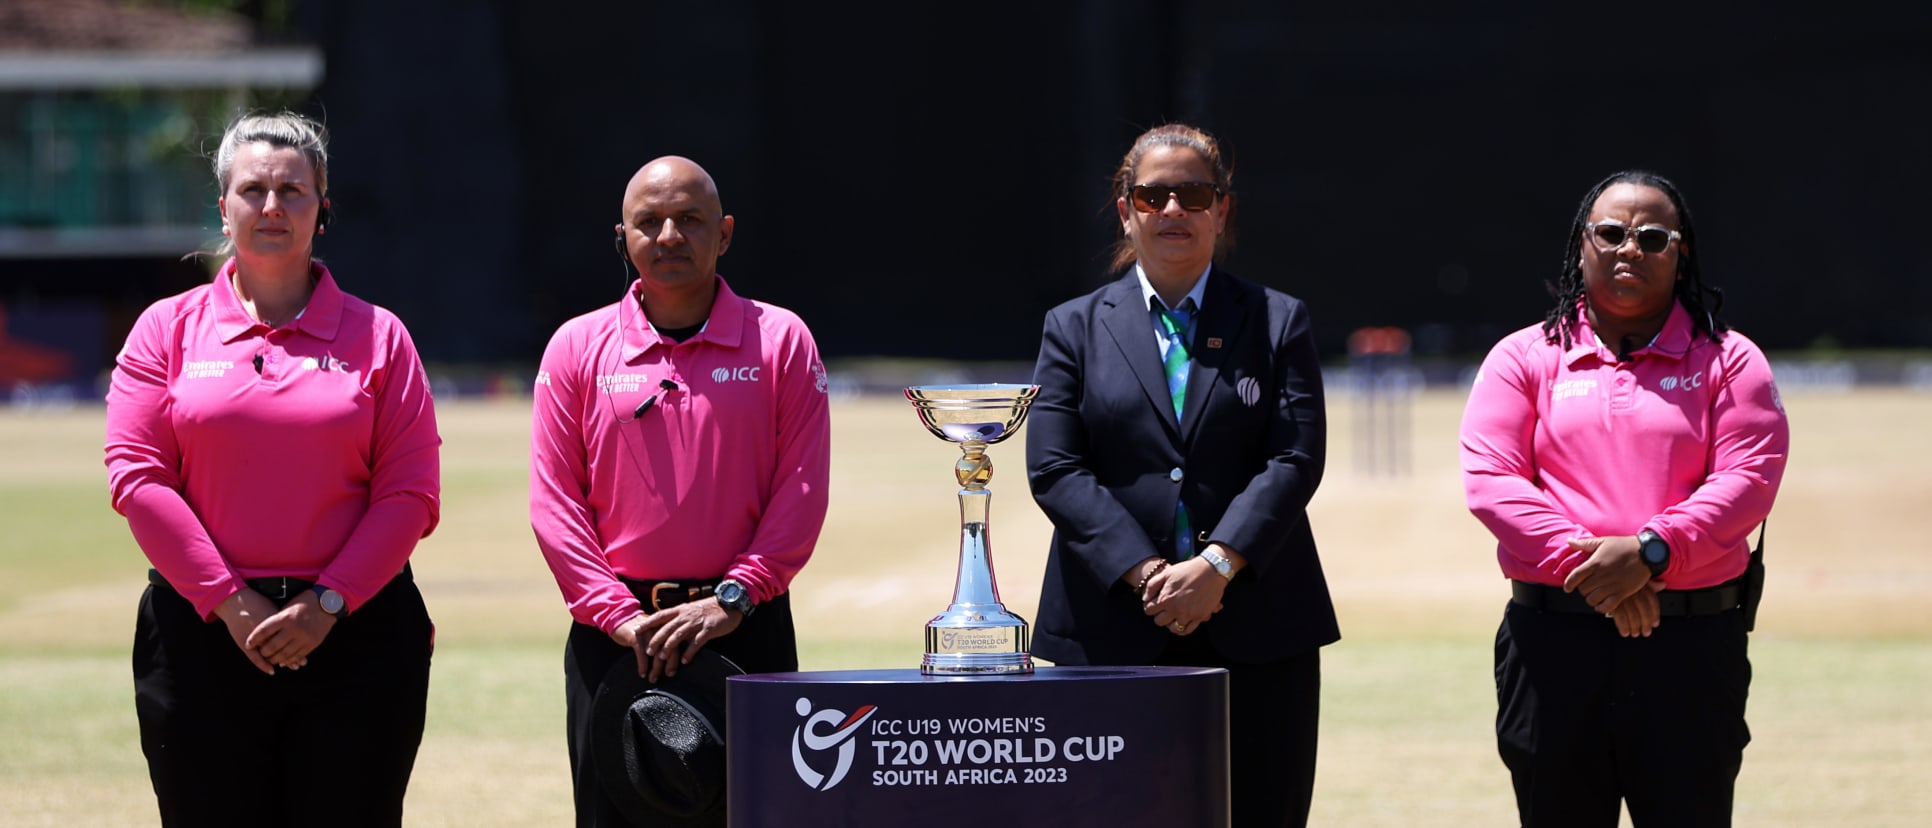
x=1610, y=234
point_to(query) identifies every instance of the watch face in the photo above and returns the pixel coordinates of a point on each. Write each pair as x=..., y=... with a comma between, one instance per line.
x=732, y=595
x=1220, y=563
x=331, y=602
x=1655, y=552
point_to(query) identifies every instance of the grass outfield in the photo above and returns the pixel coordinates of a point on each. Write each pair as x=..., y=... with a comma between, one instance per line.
x=1843, y=652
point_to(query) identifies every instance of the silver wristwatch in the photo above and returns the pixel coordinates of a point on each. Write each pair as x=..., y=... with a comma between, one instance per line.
x=1220, y=563
x=732, y=595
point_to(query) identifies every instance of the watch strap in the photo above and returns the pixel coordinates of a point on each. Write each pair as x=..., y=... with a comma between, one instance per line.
x=1222, y=566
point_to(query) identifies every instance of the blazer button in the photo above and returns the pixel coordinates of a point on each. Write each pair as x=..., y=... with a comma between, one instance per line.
x=1175, y=475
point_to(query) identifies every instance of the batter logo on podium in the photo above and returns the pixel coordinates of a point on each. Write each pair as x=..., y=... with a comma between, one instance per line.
x=813, y=737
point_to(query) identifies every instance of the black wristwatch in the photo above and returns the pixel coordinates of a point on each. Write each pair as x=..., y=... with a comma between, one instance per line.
x=732, y=595
x=1655, y=551
x=331, y=601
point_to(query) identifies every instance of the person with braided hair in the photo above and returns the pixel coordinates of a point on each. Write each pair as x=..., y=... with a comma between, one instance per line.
x=1621, y=452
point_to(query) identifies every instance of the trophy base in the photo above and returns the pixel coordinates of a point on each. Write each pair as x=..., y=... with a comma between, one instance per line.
x=977, y=640
x=976, y=664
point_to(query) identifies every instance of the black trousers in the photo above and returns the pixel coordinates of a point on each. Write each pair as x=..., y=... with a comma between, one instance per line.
x=1274, y=712
x=330, y=744
x=1587, y=720
x=765, y=642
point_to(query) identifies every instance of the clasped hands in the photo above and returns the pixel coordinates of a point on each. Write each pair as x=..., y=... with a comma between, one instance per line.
x=272, y=637
x=1179, y=596
x=669, y=638
x=1615, y=581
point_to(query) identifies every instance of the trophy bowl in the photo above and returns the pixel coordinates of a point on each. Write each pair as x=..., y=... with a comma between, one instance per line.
x=976, y=635
x=985, y=413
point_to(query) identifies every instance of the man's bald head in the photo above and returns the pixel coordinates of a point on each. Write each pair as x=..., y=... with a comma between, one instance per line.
x=675, y=173
x=673, y=225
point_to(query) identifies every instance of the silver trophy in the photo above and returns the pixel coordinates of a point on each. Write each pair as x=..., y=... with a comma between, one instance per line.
x=976, y=635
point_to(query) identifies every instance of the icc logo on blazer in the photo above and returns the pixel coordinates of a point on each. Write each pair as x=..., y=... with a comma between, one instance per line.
x=1249, y=390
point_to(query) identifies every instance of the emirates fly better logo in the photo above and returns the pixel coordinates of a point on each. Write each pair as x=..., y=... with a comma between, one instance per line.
x=812, y=736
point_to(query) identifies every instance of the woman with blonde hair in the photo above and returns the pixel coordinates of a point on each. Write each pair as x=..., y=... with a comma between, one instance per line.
x=272, y=443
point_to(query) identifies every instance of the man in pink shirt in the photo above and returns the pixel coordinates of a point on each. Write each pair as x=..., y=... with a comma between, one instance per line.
x=1621, y=452
x=680, y=452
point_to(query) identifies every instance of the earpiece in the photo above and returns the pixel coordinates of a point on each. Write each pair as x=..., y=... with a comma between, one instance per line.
x=323, y=217
x=623, y=255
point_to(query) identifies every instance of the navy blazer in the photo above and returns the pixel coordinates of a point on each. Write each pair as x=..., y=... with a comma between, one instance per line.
x=1107, y=458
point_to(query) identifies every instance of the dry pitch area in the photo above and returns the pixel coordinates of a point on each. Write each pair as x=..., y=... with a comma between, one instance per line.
x=1843, y=649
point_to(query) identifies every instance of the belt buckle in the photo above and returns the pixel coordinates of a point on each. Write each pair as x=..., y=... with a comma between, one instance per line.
x=661, y=587
x=281, y=589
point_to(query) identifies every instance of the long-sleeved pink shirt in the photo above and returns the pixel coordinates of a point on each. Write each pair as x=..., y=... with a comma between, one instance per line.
x=322, y=464
x=1687, y=438
x=724, y=475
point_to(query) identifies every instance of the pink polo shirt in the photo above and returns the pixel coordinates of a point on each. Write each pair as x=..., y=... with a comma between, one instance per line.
x=725, y=475
x=322, y=466
x=1688, y=438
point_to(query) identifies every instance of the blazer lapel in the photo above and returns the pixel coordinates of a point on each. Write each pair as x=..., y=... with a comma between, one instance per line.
x=1128, y=321
x=1217, y=333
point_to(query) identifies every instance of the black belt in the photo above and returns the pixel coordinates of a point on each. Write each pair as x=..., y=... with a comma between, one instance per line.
x=659, y=595
x=1671, y=603
x=279, y=589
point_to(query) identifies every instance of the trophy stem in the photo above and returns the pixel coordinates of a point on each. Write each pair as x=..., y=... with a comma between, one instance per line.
x=975, y=582
x=976, y=635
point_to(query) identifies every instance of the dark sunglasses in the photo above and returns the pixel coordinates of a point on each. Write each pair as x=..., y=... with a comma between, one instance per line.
x=1194, y=195
x=1610, y=235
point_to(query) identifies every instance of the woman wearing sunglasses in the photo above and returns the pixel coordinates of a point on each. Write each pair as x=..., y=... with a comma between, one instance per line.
x=1178, y=435
x=1621, y=452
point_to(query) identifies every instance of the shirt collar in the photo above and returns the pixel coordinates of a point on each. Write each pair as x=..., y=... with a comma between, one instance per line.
x=1153, y=300
x=725, y=325
x=1672, y=342
x=321, y=318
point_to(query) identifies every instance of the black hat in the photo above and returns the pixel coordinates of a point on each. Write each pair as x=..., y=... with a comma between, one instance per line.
x=660, y=748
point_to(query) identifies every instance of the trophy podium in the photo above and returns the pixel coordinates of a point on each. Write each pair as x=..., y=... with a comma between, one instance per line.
x=976, y=635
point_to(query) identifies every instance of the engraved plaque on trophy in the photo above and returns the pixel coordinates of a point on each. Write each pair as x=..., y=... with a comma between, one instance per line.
x=976, y=635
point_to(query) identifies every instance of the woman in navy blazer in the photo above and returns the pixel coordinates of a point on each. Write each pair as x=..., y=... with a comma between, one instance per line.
x=1183, y=539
